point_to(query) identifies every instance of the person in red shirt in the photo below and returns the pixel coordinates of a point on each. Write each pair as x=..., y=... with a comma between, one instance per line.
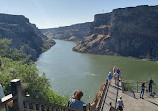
x=114, y=69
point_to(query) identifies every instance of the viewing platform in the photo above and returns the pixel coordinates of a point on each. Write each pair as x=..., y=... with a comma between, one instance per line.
x=108, y=93
x=131, y=99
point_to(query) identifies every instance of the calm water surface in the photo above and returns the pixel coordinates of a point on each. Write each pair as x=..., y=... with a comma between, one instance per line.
x=69, y=71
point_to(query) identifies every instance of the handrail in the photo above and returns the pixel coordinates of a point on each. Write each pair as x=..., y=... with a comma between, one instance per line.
x=100, y=101
x=7, y=99
x=22, y=103
x=103, y=102
x=47, y=105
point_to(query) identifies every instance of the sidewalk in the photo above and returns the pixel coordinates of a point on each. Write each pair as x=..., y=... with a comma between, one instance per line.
x=138, y=104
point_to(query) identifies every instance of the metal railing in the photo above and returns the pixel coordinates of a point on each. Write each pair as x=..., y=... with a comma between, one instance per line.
x=36, y=105
x=102, y=95
x=135, y=87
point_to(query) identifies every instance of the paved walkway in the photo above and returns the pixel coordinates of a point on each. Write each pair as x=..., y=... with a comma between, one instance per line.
x=131, y=103
x=110, y=96
x=138, y=104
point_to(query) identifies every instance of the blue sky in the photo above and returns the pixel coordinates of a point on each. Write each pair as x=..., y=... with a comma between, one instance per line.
x=55, y=13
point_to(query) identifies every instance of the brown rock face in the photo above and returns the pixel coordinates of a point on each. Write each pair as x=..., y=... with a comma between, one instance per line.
x=73, y=33
x=23, y=34
x=131, y=31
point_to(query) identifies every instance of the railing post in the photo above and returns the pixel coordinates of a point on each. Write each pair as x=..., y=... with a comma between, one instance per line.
x=40, y=107
x=34, y=106
x=122, y=84
x=89, y=106
x=17, y=91
x=137, y=86
x=84, y=107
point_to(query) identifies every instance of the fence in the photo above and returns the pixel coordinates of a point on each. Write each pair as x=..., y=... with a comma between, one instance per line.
x=102, y=95
x=22, y=103
x=135, y=87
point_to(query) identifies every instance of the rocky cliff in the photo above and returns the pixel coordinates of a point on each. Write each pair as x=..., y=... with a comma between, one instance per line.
x=23, y=34
x=73, y=32
x=131, y=31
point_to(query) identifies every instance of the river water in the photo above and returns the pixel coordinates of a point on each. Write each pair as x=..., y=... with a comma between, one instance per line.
x=69, y=71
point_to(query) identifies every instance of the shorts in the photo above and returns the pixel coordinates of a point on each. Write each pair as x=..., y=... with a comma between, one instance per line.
x=120, y=108
x=109, y=80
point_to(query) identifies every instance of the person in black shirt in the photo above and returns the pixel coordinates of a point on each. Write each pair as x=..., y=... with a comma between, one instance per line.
x=150, y=85
x=142, y=91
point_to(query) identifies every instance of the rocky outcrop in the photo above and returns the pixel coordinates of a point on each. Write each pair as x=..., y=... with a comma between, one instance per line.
x=73, y=33
x=23, y=34
x=131, y=31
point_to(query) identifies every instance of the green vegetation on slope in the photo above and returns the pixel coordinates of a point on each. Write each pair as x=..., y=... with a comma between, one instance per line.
x=18, y=65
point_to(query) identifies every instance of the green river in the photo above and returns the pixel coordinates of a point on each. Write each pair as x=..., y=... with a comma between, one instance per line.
x=69, y=71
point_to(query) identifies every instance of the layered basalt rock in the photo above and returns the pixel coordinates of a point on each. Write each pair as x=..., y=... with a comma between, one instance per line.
x=131, y=31
x=73, y=33
x=23, y=34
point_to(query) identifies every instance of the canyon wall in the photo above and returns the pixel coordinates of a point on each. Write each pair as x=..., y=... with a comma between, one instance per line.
x=131, y=31
x=23, y=34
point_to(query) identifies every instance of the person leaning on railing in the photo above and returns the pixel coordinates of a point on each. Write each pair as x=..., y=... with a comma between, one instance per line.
x=109, y=78
x=76, y=101
x=3, y=108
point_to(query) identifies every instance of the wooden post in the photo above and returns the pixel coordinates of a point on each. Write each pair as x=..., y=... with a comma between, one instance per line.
x=17, y=91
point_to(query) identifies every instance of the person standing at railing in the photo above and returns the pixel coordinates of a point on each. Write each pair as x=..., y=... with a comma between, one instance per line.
x=114, y=69
x=109, y=78
x=3, y=108
x=118, y=71
x=76, y=101
x=116, y=78
x=151, y=82
x=142, y=90
x=70, y=100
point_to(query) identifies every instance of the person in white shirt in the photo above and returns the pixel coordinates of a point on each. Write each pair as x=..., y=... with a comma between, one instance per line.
x=116, y=78
x=120, y=104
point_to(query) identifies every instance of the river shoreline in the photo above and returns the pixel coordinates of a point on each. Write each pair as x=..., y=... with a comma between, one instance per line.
x=69, y=70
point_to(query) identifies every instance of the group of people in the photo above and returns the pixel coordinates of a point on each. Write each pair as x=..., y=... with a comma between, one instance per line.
x=151, y=82
x=75, y=101
x=116, y=75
